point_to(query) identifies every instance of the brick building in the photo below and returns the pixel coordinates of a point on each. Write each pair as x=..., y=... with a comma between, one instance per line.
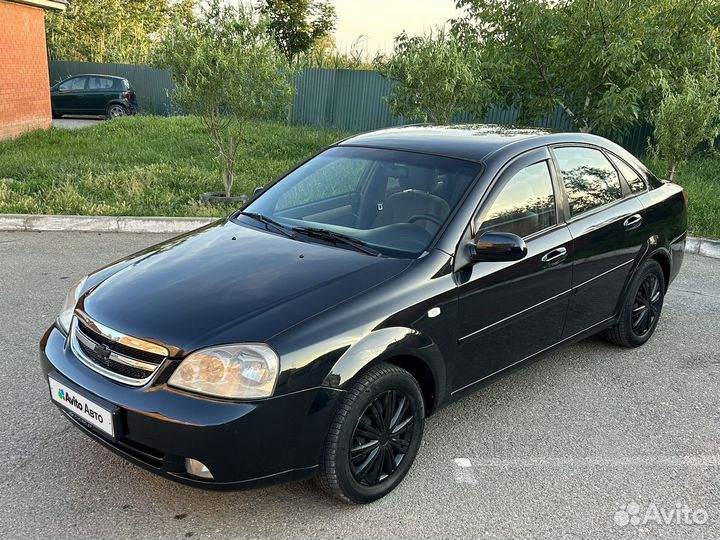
x=24, y=82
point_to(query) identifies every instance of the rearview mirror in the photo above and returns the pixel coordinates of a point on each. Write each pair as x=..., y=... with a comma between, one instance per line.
x=497, y=246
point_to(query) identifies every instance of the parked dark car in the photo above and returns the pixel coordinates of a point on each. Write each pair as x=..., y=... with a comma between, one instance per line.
x=312, y=332
x=93, y=94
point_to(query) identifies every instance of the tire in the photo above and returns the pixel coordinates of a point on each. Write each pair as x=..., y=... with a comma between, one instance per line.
x=115, y=110
x=356, y=420
x=639, y=316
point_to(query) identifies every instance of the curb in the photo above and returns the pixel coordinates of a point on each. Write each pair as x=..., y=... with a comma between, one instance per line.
x=120, y=224
x=123, y=224
x=703, y=246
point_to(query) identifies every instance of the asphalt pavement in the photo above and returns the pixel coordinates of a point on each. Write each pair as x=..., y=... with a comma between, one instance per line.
x=76, y=122
x=593, y=441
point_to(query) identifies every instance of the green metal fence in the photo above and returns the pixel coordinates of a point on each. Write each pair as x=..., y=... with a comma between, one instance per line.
x=349, y=100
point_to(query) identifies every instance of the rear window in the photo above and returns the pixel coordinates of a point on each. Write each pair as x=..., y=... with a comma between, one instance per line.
x=590, y=179
x=636, y=183
x=99, y=83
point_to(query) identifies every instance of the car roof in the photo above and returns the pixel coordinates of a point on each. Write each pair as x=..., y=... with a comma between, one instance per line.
x=95, y=75
x=472, y=142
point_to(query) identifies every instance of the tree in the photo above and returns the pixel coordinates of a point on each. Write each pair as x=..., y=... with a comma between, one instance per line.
x=688, y=116
x=226, y=69
x=298, y=24
x=436, y=78
x=112, y=30
x=593, y=58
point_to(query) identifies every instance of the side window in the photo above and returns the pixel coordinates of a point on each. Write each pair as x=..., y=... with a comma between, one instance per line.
x=78, y=83
x=590, y=180
x=99, y=83
x=526, y=203
x=338, y=177
x=633, y=179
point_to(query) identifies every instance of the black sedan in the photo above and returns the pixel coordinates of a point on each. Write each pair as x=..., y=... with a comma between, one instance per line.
x=93, y=95
x=312, y=332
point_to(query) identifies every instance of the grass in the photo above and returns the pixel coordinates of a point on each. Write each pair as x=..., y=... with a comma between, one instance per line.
x=146, y=166
x=141, y=166
x=701, y=179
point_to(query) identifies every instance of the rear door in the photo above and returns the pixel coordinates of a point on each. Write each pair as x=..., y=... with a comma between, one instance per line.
x=606, y=224
x=100, y=90
x=67, y=97
x=509, y=311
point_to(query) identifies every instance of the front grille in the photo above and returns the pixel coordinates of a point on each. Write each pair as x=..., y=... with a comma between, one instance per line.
x=113, y=365
x=119, y=347
x=104, y=353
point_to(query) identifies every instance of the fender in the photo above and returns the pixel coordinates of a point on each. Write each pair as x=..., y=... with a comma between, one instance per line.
x=384, y=345
x=650, y=249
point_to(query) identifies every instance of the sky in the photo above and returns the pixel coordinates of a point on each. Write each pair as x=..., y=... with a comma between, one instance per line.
x=382, y=20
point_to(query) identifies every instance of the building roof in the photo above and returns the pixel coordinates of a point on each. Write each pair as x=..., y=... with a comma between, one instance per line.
x=55, y=5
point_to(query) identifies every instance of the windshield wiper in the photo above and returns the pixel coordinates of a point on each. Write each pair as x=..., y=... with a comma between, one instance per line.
x=279, y=227
x=337, y=238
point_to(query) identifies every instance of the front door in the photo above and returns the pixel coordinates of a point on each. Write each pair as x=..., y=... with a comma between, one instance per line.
x=508, y=311
x=68, y=95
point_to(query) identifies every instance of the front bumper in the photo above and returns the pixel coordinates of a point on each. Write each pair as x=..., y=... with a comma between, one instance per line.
x=244, y=444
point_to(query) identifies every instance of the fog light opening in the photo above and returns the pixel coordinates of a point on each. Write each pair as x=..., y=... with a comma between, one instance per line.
x=198, y=469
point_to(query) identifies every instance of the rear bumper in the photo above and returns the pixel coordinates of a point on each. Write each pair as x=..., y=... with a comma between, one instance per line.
x=243, y=444
x=677, y=255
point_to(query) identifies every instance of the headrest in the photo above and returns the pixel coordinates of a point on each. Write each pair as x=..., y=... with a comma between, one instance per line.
x=419, y=178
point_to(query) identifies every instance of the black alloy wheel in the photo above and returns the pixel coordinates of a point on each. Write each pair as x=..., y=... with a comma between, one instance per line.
x=641, y=308
x=382, y=438
x=647, y=305
x=374, y=436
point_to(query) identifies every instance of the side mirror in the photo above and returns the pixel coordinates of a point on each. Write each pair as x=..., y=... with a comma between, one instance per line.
x=497, y=246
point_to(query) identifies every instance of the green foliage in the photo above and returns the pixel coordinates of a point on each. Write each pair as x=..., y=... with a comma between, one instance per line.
x=298, y=24
x=699, y=178
x=436, y=78
x=597, y=59
x=227, y=70
x=112, y=30
x=687, y=116
x=142, y=166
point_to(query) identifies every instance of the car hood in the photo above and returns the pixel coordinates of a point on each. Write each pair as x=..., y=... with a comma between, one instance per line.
x=229, y=282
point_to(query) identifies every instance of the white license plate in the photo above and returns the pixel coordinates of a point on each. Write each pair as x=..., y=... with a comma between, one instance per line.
x=89, y=411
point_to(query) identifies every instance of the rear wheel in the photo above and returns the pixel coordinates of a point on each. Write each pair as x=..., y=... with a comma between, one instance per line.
x=116, y=111
x=641, y=309
x=374, y=437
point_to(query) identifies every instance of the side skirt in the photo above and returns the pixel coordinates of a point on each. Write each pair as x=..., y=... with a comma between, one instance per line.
x=590, y=331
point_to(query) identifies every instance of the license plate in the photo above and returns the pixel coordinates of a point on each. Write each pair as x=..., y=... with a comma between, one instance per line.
x=84, y=408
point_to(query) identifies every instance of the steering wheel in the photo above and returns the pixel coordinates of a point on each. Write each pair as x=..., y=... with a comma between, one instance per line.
x=426, y=217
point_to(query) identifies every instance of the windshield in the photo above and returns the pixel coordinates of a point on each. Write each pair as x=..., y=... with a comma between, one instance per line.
x=392, y=201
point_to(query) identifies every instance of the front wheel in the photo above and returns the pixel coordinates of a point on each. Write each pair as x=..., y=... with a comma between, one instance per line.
x=116, y=111
x=641, y=309
x=374, y=437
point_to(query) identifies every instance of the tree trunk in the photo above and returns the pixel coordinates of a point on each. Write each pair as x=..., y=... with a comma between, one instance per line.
x=228, y=178
x=672, y=173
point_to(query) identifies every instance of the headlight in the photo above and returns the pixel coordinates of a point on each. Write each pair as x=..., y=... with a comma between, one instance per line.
x=66, y=315
x=243, y=371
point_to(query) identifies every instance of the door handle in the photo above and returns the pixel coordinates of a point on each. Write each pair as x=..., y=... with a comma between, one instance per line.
x=556, y=256
x=633, y=222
